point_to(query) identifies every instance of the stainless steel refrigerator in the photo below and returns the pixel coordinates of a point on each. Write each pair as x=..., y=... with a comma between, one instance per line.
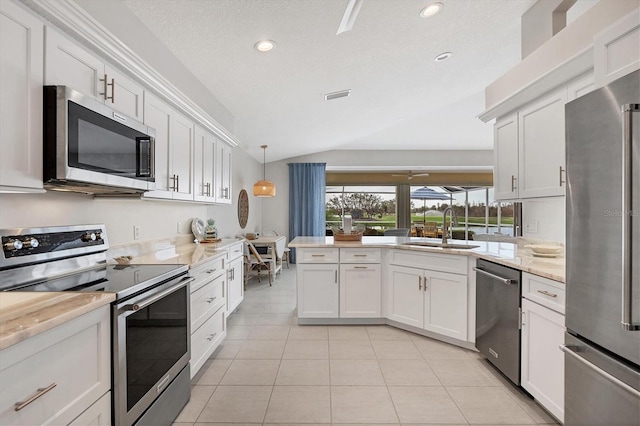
x=602, y=344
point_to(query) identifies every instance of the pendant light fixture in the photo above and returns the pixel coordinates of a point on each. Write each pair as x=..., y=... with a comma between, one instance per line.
x=264, y=187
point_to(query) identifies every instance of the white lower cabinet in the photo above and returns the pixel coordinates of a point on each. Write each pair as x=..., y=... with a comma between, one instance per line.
x=99, y=414
x=207, y=310
x=72, y=361
x=360, y=291
x=431, y=300
x=543, y=329
x=235, y=276
x=318, y=290
x=542, y=360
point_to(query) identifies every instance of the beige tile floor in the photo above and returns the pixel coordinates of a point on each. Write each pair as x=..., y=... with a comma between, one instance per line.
x=271, y=371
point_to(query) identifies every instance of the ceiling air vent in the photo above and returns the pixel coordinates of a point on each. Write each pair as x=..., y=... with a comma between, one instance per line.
x=336, y=95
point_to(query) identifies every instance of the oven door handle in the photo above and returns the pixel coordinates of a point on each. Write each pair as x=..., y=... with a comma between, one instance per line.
x=146, y=302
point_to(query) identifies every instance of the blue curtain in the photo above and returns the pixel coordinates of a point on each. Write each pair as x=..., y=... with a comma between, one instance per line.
x=307, y=187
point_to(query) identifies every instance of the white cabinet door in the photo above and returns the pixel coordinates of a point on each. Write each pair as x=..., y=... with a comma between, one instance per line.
x=542, y=361
x=445, y=305
x=69, y=64
x=360, y=287
x=223, y=173
x=125, y=95
x=616, y=50
x=505, y=152
x=541, y=149
x=318, y=290
x=235, y=284
x=406, y=298
x=99, y=414
x=203, y=166
x=157, y=115
x=181, y=159
x=21, y=56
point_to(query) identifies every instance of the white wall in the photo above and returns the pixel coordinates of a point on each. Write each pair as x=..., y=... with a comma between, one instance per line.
x=548, y=215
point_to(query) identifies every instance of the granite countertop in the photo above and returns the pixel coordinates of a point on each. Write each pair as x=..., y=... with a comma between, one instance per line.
x=23, y=315
x=508, y=254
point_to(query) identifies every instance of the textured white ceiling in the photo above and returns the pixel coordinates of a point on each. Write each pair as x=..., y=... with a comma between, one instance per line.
x=401, y=98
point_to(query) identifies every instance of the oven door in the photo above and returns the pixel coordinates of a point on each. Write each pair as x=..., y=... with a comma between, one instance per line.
x=151, y=345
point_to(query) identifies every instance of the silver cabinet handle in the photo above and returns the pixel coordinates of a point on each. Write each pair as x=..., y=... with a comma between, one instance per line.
x=419, y=283
x=37, y=394
x=546, y=293
x=105, y=85
x=317, y=255
x=208, y=186
x=176, y=180
x=359, y=255
x=211, y=271
x=627, y=205
x=336, y=277
x=571, y=351
x=495, y=277
x=424, y=287
x=561, y=171
x=359, y=267
x=212, y=336
x=513, y=183
x=211, y=299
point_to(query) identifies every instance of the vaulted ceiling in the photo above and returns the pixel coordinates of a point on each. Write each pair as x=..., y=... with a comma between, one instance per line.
x=401, y=98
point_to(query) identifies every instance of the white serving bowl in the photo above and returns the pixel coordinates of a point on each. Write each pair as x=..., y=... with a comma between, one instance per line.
x=544, y=249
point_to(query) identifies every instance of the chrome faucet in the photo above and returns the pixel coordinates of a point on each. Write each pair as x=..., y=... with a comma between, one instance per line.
x=445, y=231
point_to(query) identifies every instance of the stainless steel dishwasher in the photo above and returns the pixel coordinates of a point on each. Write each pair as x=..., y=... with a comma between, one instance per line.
x=498, y=316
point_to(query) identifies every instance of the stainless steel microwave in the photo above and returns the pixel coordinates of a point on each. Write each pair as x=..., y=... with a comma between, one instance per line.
x=90, y=148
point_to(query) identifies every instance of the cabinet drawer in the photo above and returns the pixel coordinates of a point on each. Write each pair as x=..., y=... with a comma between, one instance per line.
x=204, y=273
x=318, y=255
x=99, y=414
x=456, y=264
x=206, y=339
x=544, y=291
x=235, y=250
x=73, y=358
x=207, y=300
x=356, y=255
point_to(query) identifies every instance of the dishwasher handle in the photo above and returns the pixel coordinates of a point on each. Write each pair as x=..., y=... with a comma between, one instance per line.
x=495, y=277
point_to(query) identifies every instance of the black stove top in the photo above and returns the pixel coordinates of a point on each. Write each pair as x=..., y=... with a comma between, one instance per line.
x=123, y=280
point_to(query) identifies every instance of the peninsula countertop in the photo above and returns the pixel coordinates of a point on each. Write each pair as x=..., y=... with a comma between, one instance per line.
x=516, y=256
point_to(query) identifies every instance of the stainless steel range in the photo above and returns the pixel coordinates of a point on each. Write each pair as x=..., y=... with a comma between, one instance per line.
x=150, y=316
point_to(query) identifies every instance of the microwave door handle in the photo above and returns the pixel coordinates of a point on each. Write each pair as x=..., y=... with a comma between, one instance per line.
x=147, y=141
x=627, y=216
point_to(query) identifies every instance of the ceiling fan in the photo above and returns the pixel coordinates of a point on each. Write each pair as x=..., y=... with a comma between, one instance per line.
x=410, y=175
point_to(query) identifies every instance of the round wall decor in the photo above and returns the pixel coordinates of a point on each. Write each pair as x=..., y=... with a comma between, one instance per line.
x=243, y=208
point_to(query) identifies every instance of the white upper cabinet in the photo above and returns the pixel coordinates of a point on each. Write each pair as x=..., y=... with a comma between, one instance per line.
x=204, y=166
x=173, y=153
x=69, y=64
x=505, y=153
x=529, y=150
x=617, y=50
x=223, y=173
x=541, y=147
x=21, y=78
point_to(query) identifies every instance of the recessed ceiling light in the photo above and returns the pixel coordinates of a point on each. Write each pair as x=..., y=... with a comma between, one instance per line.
x=441, y=57
x=431, y=10
x=264, y=45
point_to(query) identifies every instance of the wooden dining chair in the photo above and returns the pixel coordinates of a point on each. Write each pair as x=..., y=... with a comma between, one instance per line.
x=431, y=229
x=273, y=233
x=255, y=264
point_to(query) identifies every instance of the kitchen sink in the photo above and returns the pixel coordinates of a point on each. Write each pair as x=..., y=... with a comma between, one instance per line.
x=440, y=245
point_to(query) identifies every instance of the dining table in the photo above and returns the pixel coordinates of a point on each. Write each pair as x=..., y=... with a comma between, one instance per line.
x=277, y=244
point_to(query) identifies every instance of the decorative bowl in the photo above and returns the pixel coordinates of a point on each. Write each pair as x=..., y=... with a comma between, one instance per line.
x=544, y=248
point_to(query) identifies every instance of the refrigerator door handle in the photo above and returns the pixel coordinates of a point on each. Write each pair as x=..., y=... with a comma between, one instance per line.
x=627, y=174
x=571, y=351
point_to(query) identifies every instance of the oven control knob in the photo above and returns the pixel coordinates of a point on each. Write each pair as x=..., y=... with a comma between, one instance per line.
x=31, y=243
x=98, y=236
x=89, y=236
x=12, y=245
